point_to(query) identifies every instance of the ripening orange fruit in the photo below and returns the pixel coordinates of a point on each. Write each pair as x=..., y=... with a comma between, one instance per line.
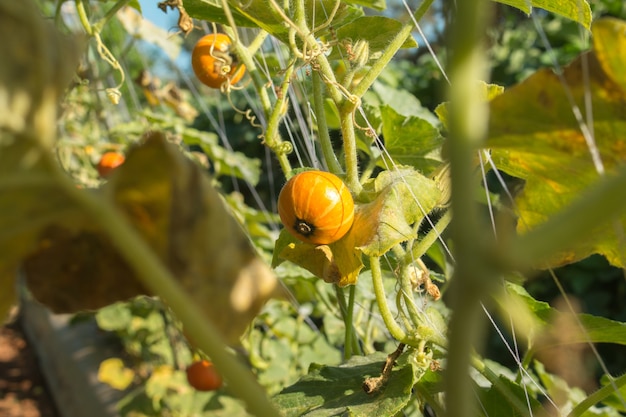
x=316, y=207
x=213, y=63
x=108, y=162
x=203, y=376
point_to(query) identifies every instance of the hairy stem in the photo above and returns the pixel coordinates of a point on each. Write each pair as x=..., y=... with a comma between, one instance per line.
x=472, y=275
x=322, y=127
x=379, y=290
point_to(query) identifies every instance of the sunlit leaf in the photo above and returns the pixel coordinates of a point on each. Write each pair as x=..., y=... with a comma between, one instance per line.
x=337, y=390
x=180, y=214
x=410, y=140
x=377, y=40
x=586, y=329
x=616, y=399
x=211, y=11
x=260, y=13
x=577, y=10
x=399, y=199
x=535, y=136
x=495, y=403
x=338, y=263
x=113, y=373
x=373, y=4
x=487, y=93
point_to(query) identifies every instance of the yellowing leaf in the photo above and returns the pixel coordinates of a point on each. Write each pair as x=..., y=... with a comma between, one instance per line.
x=338, y=263
x=174, y=206
x=113, y=372
x=400, y=199
x=535, y=136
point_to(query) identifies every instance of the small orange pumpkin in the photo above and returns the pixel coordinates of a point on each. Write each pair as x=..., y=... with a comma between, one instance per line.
x=316, y=207
x=108, y=162
x=203, y=376
x=213, y=63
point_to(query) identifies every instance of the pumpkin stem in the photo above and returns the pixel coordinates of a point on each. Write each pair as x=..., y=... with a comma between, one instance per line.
x=303, y=227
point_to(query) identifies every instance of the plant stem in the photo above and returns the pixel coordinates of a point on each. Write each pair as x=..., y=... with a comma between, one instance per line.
x=347, y=311
x=82, y=16
x=379, y=290
x=598, y=396
x=389, y=52
x=352, y=336
x=97, y=27
x=155, y=276
x=322, y=127
x=346, y=114
x=520, y=406
x=272, y=136
x=427, y=241
x=471, y=274
x=272, y=113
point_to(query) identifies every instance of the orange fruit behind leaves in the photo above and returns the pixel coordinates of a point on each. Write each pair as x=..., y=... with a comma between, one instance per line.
x=203, y=376
x=108, y=162
x=316, y=207
x=213, y=63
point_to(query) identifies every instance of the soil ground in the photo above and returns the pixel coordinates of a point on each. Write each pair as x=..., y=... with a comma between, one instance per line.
x=23, y=391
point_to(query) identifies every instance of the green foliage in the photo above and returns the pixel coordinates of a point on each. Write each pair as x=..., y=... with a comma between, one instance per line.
x=576, y=10
x=331, y=390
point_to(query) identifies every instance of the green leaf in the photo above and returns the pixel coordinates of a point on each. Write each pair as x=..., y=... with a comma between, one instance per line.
x=616, y=399
x=487, y=91
x=535, y=136
x=224, y=162
x=372, y=4
x=261, y=14
x=495, y=403
x=576, y=10
x=410, y=140
x=114, y=317
x=596, y=329
x=211, y=11
x=334, y=390
x=361, y=29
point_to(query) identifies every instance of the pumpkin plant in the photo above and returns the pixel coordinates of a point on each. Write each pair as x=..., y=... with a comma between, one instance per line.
x=387, y=217
x=316, y=207
x=213, y=62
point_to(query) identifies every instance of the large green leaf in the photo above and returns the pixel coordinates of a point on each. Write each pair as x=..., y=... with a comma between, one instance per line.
x=260, y=13
x=337, y=390
x=495, y=403
x=211, y=11
x=588, y=328
x=577, y=10
x=377, y=40
x=410, y=140
x=535, y=136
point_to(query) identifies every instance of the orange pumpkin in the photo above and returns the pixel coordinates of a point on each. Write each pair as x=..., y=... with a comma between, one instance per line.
x=316, y=207
x=203, y=376
x=108, y=162
x=213, y=63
